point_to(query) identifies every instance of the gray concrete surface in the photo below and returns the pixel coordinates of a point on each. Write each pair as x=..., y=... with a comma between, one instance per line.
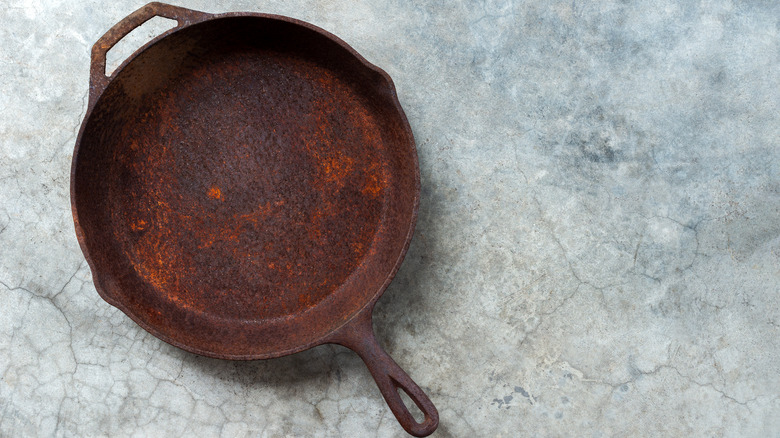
x=597, y=253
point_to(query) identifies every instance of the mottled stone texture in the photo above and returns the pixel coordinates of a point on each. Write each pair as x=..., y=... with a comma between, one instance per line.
x=597, y=254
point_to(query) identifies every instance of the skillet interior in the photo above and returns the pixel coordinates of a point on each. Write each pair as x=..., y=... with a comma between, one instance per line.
x=244, y=186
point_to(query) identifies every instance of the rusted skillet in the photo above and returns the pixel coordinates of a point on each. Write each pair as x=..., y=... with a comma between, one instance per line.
x=245, y=186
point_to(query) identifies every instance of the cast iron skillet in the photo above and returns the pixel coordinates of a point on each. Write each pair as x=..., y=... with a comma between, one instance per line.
x=245, y=186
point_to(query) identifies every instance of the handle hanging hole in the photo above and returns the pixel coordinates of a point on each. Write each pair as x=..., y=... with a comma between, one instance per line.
x=135, y=39
x=415, y=410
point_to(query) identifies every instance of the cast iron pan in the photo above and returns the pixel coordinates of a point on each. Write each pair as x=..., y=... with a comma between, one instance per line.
x=245, y=186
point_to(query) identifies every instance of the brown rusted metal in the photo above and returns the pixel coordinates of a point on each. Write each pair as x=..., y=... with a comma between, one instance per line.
x=245, y=186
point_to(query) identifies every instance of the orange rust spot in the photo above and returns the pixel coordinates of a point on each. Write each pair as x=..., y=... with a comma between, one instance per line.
x=304, y=300
x=337, y=168
x=139, y=225
x=372, y=186
x=215, y=193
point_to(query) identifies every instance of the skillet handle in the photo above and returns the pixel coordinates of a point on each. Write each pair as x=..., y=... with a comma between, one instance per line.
x=358, y=336
x=98, y=81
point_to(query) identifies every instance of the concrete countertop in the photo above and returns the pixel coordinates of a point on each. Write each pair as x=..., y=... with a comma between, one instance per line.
x=597, y=252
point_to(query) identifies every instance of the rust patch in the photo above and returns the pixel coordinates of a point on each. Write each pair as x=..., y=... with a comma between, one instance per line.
x=215, y=193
